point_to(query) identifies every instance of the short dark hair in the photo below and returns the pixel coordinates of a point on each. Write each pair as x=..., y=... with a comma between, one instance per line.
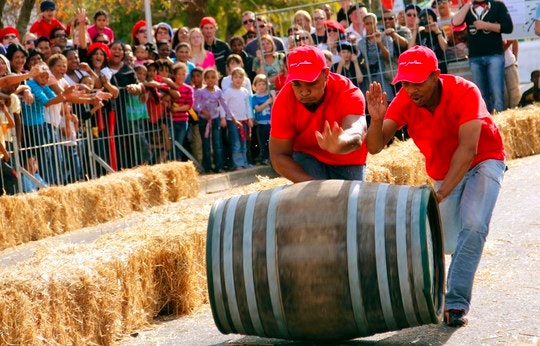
x=354, y=8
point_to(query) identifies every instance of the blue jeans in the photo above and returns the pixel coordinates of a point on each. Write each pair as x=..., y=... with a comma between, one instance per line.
x=238, y=146
x=216, y=148
x=465, y=215
x=319, y=170
x=179, y=133
x=488, y=74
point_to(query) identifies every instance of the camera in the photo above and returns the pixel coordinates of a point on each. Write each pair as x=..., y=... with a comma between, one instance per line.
x=423, y=21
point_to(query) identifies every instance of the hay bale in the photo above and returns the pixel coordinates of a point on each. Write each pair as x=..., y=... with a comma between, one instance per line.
x=519, y=128
x=57, y=210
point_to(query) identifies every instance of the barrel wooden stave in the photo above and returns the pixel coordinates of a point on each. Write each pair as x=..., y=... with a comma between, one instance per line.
x=295, y=299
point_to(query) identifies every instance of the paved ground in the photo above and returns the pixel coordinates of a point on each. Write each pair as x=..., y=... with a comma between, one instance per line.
x=506, y=300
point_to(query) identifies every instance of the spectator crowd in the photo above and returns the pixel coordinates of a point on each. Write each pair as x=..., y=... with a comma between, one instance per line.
x=182, y=93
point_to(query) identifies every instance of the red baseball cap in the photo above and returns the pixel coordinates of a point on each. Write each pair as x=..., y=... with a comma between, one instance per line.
x=207, y=20
x=334, y=24
x=416, y=64
x=9, y=30
x=305, y=63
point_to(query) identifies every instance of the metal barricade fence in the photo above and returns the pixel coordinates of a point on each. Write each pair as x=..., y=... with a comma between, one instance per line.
x=124, y=133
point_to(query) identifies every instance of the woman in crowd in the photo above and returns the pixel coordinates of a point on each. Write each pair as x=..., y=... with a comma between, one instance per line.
x=200, y=56
x=268, y=61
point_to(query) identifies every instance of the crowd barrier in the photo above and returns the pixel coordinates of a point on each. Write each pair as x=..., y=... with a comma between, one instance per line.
x=120, y=135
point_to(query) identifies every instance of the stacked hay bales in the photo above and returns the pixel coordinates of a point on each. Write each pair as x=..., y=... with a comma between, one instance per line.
x=97, y=292
x=56, y=210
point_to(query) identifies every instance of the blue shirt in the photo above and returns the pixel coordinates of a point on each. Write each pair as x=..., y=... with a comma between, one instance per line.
x=34, y=114
x=264, y=116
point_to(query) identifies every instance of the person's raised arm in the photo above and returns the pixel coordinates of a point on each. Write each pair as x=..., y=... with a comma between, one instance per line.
x=459, y=17
x=469, y=134
x=281, y=151
x=380, y=130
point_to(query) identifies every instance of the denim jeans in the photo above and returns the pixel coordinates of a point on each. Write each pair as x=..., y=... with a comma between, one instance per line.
x=319, y=170
x=465, y=215
x=488, y=74
x=179, y=133
x=216, y=148
x=238, y=146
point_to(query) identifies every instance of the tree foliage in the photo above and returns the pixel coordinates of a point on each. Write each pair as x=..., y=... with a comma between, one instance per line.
x=124, y=13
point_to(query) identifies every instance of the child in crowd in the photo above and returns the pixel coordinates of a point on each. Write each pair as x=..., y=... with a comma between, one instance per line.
x=47, y=20
x=234, y=61
x=279, y=82
x=72, y=163
x=239, y=125
x=262, y=101
x=209, y=100
x=183, y=53
x=196, y=140
x=100, y=26
x=157, y=103
x=141, y=54
x=181, y=106
x=28, y=184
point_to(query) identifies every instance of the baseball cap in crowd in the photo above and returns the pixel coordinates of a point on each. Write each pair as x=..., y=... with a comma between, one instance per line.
x=415, y=65
x=9, y=30
x=334, y=24
x=207, y=20
x=47, y=5
x=347, y=46
x=305, y=63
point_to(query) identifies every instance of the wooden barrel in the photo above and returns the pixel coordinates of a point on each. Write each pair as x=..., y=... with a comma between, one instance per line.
x=326, y=260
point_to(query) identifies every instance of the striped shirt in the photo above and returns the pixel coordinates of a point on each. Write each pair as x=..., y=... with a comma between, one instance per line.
x=186, y=98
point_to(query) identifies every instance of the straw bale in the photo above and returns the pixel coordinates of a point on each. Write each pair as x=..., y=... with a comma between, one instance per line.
x=93, y=293
x=519, y=128
x=56, y=210
x=404, y=162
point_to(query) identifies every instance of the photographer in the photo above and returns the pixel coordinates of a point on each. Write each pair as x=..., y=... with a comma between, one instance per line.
x=429, y=34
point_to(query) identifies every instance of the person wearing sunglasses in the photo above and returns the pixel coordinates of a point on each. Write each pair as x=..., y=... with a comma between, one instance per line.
x=9, y=35
x=486, y=21
x=59, y=38
x=263, y=27
x=411, y=16
x=248, y=22
x=319, y=34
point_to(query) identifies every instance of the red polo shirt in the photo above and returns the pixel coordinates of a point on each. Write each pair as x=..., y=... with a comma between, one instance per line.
x=42, y=28
x=292, y=120
x=437, y=134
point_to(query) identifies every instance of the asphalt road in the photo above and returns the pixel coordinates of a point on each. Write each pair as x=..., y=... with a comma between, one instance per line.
x=506, y=295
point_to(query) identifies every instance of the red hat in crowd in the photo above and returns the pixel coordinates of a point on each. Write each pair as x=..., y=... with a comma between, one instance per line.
x=207, y=20
x=416, y=64
x=102, y=46
x=9, y=30
x=459, y=28
x=334, y=24
x=305, y=63
x=136, y=27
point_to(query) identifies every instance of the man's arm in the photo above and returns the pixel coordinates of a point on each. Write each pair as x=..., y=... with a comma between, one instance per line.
x=469, y=134
x=344, y=139
x=281, y=156
x=380, y=130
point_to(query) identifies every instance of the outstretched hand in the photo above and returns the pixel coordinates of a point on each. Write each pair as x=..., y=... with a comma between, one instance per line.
x=329, y=139
x=376, y=101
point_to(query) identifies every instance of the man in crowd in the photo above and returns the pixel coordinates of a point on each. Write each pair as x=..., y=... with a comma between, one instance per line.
x=486, y=21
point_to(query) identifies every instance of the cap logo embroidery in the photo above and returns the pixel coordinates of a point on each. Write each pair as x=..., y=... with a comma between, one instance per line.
x=413, y=62
x=300, y=63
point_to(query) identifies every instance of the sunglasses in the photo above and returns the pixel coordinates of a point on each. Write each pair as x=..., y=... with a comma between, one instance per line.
x=262, y=26
x=7, y=37
x=388, y=18
x=60, y=36
x=411, y=14
x=105, y=42
x=332, y=30
x=248, y=21
x=31, y=42
x=301, y=38
x=142, y=31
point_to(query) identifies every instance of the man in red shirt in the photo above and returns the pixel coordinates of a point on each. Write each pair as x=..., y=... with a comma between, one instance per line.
x=449, y=122
x=318, y=123
x=47, y=21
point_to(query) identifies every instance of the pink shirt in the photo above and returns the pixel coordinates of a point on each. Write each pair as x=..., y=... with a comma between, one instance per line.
x=93, y=32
